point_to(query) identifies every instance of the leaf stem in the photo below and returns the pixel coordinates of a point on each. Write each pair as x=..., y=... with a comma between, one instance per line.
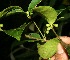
x=55, y=33
x=39, y=30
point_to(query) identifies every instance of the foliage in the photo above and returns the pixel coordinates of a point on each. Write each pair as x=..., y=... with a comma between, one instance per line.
x=17, y=31
x=50, y=18
x=45, y=49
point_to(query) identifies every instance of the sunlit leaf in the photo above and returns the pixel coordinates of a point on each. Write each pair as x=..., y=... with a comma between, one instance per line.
x=16, y=33
x=48, y=13
x=48, y=49
x=33, y=4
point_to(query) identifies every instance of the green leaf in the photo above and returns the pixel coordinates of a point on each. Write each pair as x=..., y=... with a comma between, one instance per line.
x=47, y=25
x=47, y=31
x=31, y=40
x=33, y=4
x=56, y=25
x=48, y=49
x=48, y=13
x=14, y=11
x=11, y=10
x=1, y=25
x=48, y=28
x=16, y=33
x=35, y=35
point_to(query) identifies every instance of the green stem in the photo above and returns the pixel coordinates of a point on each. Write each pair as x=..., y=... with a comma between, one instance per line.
x=55, y=33
x=39, y=30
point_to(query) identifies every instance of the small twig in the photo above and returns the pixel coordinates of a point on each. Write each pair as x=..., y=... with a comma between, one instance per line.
x=39, y=31
x=12, y=56
x=55, y=33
